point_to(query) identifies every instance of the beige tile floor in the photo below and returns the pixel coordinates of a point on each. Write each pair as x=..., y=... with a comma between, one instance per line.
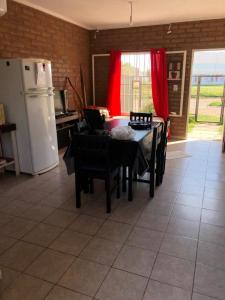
x=170, y=247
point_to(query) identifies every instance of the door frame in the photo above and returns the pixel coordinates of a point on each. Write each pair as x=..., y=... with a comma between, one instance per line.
x=190, y=86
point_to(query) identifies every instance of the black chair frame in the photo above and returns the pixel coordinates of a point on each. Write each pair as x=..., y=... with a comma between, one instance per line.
x=93, y=119
x=161, y=152
x=92, y=160
x=152, y=166
x=144, y=117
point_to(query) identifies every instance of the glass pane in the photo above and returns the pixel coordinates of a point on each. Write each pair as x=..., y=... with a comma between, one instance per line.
x=136, y=92
x=210, y=100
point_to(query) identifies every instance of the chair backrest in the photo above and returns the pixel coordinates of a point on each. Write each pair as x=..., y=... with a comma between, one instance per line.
x=160, y=133
x=91, y=151
x=93, y=118
x=81, y=126
x=138, y=116
x=155, y=140
x=166, y=132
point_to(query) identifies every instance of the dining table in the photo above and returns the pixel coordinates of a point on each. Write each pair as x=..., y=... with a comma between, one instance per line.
x=132, y=154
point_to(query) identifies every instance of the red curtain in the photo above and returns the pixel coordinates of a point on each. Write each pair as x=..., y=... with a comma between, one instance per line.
x=113, y=100
x=159, y=82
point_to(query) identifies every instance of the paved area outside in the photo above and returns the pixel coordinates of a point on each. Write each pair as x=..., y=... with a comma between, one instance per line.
x=206, y=131
x=204, y=107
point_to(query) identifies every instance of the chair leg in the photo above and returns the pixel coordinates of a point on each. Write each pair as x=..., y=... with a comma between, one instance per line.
x=130, y=184
x=84, y=182
x=152, y=186
x=158, y=173
x=91, y=186
x=162, y=170
x=124, y=186
x=158, y=166
x=162, y=167
x=108, y=196
x=77, y=186
x=118, y=185
x=152, y=181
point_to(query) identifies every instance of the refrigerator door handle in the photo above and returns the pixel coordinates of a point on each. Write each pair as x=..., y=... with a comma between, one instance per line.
x=33, y=96
x=38, y=95
x=42, y=89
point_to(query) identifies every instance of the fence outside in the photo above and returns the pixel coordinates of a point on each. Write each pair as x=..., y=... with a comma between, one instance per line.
x=208, y=98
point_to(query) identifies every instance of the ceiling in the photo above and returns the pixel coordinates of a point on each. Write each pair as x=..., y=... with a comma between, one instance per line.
x=105, y=14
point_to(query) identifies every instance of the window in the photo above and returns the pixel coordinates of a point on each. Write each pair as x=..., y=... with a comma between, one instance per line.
x=136, y=90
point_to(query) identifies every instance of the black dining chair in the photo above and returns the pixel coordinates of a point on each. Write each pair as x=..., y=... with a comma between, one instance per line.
x=93, y=119
x=152, y=161
x=161, y=153
x=142, y=117
x=92, y=159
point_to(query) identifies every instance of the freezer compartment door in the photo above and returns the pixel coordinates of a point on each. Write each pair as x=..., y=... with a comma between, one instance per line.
x=37, y=75
x=42, y=131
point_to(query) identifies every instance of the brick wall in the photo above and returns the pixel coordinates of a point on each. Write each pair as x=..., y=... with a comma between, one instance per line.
x=185, y=36
x=26, y=32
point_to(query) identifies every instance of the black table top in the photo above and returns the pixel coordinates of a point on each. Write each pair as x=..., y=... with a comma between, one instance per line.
x=139, y=134
x=135, y=152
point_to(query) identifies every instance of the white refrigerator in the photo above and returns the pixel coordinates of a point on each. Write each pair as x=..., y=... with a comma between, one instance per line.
x=27, y=94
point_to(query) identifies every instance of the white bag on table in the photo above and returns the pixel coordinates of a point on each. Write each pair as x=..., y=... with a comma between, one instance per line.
x=123, y=133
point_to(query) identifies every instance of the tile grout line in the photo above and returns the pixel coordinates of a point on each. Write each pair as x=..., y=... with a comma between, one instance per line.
x=196, y=257
x=129, y=235
x=122, y=246
x=75, y=258
x=158, y=252
x=44, y=249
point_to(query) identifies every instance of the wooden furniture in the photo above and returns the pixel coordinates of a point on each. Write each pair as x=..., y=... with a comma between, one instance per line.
x=132, y=154
x=138, y=155
x=93, y=119
x=93, y=160
x=10, y=129
x=64, y=125
x=161, y=155
x=153, y=161
x=143, y=117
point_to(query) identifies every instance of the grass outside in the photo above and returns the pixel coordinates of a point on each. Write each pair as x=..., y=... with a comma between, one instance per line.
x=191, y=123
x=208, y=91
x=208, y=119
x=216, y=103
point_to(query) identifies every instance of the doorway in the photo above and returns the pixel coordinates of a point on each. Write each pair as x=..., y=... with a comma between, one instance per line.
x=207, y=95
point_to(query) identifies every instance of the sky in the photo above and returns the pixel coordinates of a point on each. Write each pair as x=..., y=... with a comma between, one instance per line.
x=209, y=63
x=204, y=63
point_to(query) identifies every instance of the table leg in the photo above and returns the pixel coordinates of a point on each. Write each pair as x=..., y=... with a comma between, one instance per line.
x=124, y=186
x=15, y=152
x=130, y=183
